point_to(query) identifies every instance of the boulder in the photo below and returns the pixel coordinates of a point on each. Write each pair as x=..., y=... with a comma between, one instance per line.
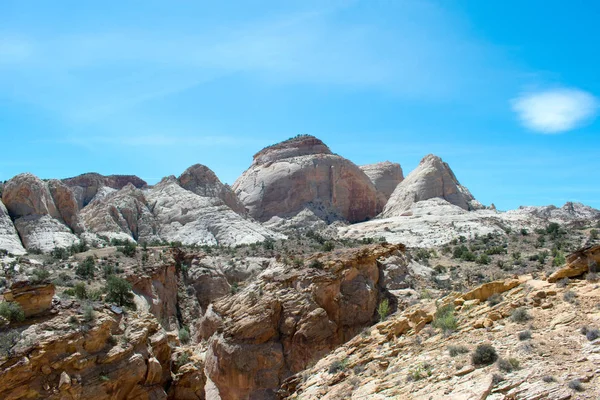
x=302, y=173
x=33, y=298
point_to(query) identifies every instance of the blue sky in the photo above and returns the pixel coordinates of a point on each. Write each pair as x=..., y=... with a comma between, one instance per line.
x=504, y=91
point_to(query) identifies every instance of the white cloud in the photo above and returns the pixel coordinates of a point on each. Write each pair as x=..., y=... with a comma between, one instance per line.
x=555, y=111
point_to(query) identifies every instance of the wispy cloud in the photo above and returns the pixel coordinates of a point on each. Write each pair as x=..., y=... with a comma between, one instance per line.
x=555, y=111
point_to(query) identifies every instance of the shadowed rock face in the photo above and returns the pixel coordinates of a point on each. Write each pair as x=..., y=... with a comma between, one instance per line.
x=432, y=178
x=302, y=173
x=9, y=239
x=86, y=186
x=385, y=176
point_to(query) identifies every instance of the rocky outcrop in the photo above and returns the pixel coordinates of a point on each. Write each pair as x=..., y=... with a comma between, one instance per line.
x=569, y=212
x=122, y=214
x=33, y=298
x=9, y=238
x=203, y=181
x=114, y=357
x=432, y=178
x=87, y=186
x=44, y=213
x=289, y=318
x=302, y=173
x=433, y=364
x=578, y=263
x=189, y=218
x=385, y=176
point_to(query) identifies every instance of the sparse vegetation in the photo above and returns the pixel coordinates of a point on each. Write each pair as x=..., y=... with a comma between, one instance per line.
x=383, y=309
x=525, y=335
x=87, y=268
x=39, y=276
x=118, y=291
x=88, y=313
x=338, y=365
x=457, y=350
x=494, y=299
x=445, y=320
x=419, y=372
x=548, y=379
x=563, y=283
x=508, y=365
x=484, y=354
x=569, y=296
x=520, y=315
x=11, y=311
x=8, y=340
x=576, y=385
x=184, y=335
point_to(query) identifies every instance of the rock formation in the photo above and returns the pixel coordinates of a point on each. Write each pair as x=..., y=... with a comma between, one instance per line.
x=578, y=263
x=302, y=173
x=432, y=178
x=34, y=298
x=569, y=212
x=289, y=318
x=122, y=214
x=9, y=238
x=186, y=217
x=85, y=187
x=385, y=176
x=203, y=181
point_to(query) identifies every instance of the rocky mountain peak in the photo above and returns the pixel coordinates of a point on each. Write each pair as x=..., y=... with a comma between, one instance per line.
x=432, y=178
x=86, y=186
x=385, y=176
x=300, y=145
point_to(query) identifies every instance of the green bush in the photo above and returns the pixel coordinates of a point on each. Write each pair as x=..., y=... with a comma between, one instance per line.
x=328, y=246
x=86, y=269
x=8, y=340
x=184, y=335
x=494, y=299
x=88, y=313
x=484, y=354
x=419, y=372
x=118, y=291
x=383, y=309
x=508, y=365
x=12, y=311
x=39, y=275
x=338, y=365
x=444, y=319
x=129, y=249
x=80, y=291
x=576, y=385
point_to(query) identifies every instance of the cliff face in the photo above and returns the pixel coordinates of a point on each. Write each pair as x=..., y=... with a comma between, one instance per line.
x=300, y=174
x=289, y=318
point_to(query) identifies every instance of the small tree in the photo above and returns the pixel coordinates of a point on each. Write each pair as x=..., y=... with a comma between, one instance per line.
x=11, y=311
x=86, y=268
x=80, y=291
x=118, y=291
x=383, y=309
x=129, y=249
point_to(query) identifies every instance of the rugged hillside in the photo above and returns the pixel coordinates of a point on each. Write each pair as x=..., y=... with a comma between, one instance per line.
x=433, y=178
x=542, y=341
x=303, y=174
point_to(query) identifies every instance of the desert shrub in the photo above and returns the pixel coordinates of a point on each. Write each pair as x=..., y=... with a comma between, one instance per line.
x=563, y=283
x=39, y=275
x=548, y=379
x=495, y=299
x=94, y=294
x=508, y=365
x=118, y=291
x=11, y=311
x=592, y=334
x=338, y=365
x=129, y=249
x=88, y=313
x=569, y=296
x=520, y=315
x=419, y=372
x=559, y=260
x=86, y=268
x=483, y=259
x=183, y=359
x=444, y=319
x=234, y=288
x=497, y=378
x=316, y=264
x=591, y=277
x=576, y=385
x=484, y=354
x=328, y=246
x=269, y=244
x=524, y=335
x=184, y=335
x=108, y=270
x=457, y=350
x=60, y=253
x=7, y=341
x=80, y=291
x=383, y=309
